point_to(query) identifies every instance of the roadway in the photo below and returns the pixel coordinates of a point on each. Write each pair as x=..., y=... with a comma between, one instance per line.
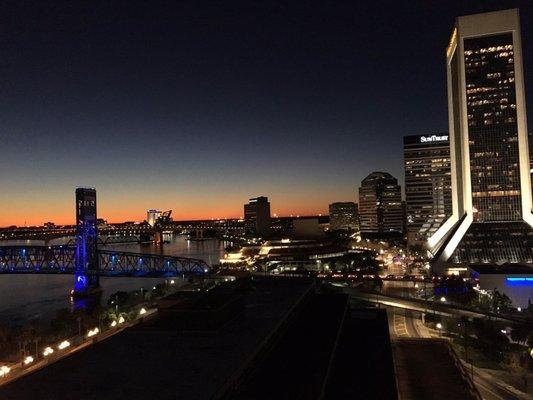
x=407, y=323
x=420, y=305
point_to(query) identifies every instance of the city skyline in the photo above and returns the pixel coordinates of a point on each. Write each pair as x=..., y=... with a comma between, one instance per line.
x=167, y=124
x=267, y=200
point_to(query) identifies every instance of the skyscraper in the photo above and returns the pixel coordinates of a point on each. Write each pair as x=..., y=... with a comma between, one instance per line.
x=491, y=188
x=428, y=194
x=380, y=206
x=343, y=216
x=257, y=216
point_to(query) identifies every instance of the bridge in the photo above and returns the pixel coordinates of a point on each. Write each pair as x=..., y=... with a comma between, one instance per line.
x=62, y=260
x=87, y=261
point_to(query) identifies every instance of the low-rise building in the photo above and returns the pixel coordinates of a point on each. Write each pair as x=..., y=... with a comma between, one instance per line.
x=513, y=280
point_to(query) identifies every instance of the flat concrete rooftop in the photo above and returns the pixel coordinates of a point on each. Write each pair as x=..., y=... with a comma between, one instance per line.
x=154, y=363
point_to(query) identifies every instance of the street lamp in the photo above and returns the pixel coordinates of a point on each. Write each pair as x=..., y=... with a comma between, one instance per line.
x=93, y=332
x=47, y=351
x=443, y=299
x=63, y=345
x=439, y=327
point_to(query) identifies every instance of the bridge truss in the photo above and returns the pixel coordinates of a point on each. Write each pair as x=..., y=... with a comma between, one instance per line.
x=127, y=263
x=62, y=259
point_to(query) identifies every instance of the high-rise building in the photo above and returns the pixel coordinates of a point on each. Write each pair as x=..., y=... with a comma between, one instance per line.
x=428, y=193
x=343, y=215
x=152, y=216
x=380, y=205
x=257, y=216
x=530, y=156
x=87, y=265
x=491, y=187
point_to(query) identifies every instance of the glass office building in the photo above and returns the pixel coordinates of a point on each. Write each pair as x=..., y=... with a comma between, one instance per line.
x=428, y=194
x=380, y=206
x=491, y=183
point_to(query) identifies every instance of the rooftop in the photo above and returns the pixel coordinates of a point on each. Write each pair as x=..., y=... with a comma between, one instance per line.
x=153, y=361
x=504, y=269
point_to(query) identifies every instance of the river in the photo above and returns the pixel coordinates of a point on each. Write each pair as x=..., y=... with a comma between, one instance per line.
x=38, y=296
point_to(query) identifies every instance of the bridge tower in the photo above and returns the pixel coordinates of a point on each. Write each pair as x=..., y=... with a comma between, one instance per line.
x=87, y=265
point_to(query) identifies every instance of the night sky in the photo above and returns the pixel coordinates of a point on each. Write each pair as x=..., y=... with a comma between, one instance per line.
x=197, y=106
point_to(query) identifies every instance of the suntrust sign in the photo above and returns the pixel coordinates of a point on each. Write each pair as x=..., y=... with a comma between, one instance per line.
x=433, y=138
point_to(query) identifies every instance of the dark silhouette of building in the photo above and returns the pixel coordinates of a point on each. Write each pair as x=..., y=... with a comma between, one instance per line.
x=380, y=206
x=257, y=216
x=343, y=215
x=491, y=186
x=428, y=192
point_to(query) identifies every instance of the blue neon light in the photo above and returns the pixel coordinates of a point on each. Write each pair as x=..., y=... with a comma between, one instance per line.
x=81, y=283
x=520, y=281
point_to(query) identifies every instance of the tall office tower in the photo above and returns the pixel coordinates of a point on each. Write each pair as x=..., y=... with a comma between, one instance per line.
x=428, y=193
x=152, y=216
x=380, y=206
x=343, y=216
x=530, y=156
x=491, y=187
x=257, y=216
x=87, y=265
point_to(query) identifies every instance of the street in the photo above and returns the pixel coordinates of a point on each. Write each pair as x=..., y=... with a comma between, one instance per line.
x=406, y=323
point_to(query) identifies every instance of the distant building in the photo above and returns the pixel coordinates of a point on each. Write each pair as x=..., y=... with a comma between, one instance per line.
x=289, y=254
x=257, y=216
x=343, y=216
x=283, y=227
x=491, y=221
x=152, y=216
x=307, y=228
x=380, y=206
x=428, y=192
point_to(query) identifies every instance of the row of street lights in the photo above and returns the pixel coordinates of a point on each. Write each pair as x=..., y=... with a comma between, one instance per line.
x=5, y=370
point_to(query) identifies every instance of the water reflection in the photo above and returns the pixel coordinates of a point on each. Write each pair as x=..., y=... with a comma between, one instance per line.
x=32, y=296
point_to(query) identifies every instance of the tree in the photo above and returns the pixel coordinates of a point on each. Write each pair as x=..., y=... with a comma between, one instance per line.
x=522, y=333
x=490, y=339
x=455, y=289
x=501, y=302
x=377, y=283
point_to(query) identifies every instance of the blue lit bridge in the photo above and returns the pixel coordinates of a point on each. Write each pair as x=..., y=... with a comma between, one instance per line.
x=62, y=260
x=83, y=257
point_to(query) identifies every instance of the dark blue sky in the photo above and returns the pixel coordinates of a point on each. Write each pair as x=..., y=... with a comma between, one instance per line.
x=196, y=106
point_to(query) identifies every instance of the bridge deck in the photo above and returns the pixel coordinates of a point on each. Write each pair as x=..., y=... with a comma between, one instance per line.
x=62, y=259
